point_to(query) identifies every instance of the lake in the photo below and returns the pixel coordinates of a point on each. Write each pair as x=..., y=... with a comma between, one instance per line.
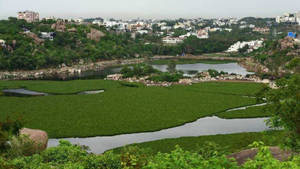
x=188, y=69
x=201, y=127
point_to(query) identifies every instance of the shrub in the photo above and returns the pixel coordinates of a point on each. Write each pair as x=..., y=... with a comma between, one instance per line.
x=134, y=158
x=22, y=146
x=167, y=77
x=8, y=129
x=138, y=70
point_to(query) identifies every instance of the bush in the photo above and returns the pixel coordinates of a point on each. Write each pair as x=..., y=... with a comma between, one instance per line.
x=167, y=77
x=67, y=156
x=8, y=129
x=22, y=146
x=215, y=73
x=127, y=84
x=138, y=70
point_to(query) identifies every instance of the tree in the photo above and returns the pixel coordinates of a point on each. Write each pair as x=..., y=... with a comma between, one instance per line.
x=171, y=66
x=284, y=104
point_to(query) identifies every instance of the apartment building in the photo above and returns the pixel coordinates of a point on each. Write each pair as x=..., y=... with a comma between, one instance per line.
x=29, y=16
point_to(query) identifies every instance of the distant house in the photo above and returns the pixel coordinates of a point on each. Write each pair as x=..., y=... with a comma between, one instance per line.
x=202, y=34
x=2, y=42
x=172, y=40
x=47, y=35
x=142, y=32
x=261, y=30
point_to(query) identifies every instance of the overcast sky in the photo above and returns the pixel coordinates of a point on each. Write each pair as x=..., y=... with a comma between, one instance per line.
x=124, y=9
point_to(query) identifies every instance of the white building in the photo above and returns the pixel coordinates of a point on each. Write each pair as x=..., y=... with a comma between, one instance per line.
x=253, y=45
x=228, y=29
x=165, y=28
x=79, y=20
x=29, y=16
x=2, y=42
x=289, y=18
x=202, y=34
x=142, y=32
x=97, y=22
x=110, y=23
x=47, y=35
x=172, y=40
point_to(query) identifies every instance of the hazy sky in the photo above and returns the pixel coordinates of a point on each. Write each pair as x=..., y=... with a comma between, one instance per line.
x=150, y=8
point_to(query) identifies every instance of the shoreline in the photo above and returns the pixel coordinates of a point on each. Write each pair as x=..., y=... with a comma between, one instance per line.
x=65, y=72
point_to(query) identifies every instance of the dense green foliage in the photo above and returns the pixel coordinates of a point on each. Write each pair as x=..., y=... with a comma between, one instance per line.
x=284, y=105
x=229, y=143
x=69, y=47
x=138, y=70
x=120, y=109
x=67, y=156
x=167, y=77
x=279, y=56
x=8, y=129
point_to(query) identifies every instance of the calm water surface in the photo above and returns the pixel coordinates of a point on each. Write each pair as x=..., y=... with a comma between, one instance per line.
x=188, y=69
x=201, y=127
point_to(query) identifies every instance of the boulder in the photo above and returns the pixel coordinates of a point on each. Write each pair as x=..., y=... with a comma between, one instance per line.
x=245, y=155
x=95, y=35
x=39, y=137
x=185, y=81
x=36, y=39
x=59, y=26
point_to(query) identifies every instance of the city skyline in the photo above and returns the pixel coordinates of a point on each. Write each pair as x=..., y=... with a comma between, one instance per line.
x=131, y=9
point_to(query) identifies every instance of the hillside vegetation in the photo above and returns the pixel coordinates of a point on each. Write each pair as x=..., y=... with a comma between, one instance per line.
x=76, y=43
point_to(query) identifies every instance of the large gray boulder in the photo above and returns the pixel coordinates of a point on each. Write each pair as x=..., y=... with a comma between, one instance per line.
x=245, y=155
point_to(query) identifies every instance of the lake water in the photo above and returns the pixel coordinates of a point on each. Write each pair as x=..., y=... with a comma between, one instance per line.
x=188, y=69
x=191, y=69
x=25, y=92
x=201, y=127
x=22, y=92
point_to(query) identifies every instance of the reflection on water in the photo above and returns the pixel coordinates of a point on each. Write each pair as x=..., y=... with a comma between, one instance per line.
x=25, y=92
x=188, y=69
x=203, y=126
x=22, y=92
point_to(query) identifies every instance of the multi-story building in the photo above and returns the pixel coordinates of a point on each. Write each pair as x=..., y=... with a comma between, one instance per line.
x=289, y=18
x=29, y=16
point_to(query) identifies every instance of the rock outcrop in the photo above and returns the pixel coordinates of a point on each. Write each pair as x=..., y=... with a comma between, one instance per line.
x=287, y=42
x=36, y=39
x=59, y=26
x=39, y=137
x=95, y=35
x=245, y=155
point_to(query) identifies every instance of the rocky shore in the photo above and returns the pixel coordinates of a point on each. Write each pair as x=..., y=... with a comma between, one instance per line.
x=64, y=72
x=201, y=77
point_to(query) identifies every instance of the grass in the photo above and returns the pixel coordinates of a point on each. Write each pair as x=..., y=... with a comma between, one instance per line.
x=120, y=109
x=251, y=112
x=229, y=143
x=190, y=61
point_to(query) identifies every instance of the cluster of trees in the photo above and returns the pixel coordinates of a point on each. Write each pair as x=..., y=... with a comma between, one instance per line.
x=138, y=70
x=71, y=47
x=276, y=58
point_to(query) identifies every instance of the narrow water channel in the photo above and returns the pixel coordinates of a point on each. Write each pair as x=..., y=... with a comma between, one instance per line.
x=201, y=127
